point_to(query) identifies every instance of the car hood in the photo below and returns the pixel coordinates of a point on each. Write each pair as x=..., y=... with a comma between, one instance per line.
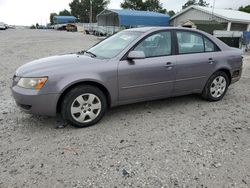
x=54, y=64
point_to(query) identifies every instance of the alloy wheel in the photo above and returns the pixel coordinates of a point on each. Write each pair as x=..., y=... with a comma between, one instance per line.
x=86, y=107
x=218, y=86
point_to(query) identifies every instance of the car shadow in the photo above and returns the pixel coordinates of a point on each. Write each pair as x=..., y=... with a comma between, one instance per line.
x=119, y=111
x=156, y=104
x=126, y=114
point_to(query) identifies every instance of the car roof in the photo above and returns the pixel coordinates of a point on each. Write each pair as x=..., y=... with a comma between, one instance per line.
x=141, y=29
x=148, y=29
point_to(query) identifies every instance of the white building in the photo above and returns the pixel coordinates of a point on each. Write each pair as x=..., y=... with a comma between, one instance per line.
x=224, y=19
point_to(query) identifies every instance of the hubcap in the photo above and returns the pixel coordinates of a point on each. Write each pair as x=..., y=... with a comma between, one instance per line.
x=218, y=86
x=85, y=108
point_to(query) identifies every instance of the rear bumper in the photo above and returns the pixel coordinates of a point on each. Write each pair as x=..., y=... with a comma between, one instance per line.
x=33, y=103
x=236, y=76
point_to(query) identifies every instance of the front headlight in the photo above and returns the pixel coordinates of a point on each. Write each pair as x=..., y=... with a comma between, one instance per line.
x=32, y=83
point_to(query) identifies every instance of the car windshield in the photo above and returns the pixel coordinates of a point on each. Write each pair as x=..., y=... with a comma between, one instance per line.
x=114, y=45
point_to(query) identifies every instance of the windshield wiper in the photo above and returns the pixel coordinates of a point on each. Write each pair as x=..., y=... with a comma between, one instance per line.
x=87, y=52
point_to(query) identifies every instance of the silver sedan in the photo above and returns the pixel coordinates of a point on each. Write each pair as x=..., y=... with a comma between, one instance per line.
x=131, y=66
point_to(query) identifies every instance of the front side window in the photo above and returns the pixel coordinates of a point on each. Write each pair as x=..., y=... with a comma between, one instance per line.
x=158, y=44
x=189, y=42
x=114, y=45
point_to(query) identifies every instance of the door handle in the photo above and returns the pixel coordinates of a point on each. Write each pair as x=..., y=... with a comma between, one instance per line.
x=211, y=60
x=168, y=65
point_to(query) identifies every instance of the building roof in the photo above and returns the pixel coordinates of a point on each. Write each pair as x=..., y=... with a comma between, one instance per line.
x=127, y=12
x=64, y=19
x=135, y=17
x=227, y=14
x=204, y=22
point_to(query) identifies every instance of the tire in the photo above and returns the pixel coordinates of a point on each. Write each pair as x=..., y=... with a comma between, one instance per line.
x=84, y=106
x=213, y=91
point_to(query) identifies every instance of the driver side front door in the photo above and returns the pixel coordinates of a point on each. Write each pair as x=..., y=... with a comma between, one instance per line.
x=152, y=77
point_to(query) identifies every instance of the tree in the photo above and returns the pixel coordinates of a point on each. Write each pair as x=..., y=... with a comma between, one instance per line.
x=76, y=9
x=194, y=2
x=203, y=3
x=32, y=27
x=148, y=5
x=133, y=5
x=51, y=18
x=154, y=5
x=64, y=13
x=245, y=9
x=97, y=7
x=189, y=3
x=81, y=9
x=171, y=13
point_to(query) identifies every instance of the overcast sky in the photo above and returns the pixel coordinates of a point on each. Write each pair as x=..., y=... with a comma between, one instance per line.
x=27, y=12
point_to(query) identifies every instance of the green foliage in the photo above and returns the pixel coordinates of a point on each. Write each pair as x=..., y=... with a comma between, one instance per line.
x=32, y=27
x=203, y=3
x=194, y=2
x=81, y=9
x=154, y=5
x=133, y=5
x=51, y=18
x=97, y=7
x=77, y=9
x=64, y=13
x=171, y=13
x=189, y=3
x=148, y=5
x=245, y=9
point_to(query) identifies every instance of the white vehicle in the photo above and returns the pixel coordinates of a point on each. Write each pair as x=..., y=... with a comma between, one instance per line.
x=2, y=26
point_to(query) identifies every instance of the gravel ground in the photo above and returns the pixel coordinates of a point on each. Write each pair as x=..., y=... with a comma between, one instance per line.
x=177, y=142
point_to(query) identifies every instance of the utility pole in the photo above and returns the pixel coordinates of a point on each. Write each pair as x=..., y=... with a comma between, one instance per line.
x=213, y=10
x=90, y=14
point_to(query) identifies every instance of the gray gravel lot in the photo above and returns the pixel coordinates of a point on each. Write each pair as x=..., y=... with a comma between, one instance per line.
x=177, y=142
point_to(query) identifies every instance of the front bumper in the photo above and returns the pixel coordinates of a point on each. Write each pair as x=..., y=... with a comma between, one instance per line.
x=32, y=102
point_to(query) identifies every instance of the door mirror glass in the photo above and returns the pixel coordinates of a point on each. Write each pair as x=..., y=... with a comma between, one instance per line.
x=136, y=55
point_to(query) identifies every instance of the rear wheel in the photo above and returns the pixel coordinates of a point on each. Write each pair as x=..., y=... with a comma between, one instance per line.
x=216, y=86
x=84, y=106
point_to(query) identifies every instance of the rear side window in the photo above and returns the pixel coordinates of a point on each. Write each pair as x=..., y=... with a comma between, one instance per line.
x=189, y=42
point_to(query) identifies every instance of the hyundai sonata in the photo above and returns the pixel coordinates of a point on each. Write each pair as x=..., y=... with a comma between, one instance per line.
x=131, y=66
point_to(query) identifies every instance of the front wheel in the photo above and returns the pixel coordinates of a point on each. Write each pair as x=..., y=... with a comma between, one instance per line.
x=216, y=86
x=84, y=106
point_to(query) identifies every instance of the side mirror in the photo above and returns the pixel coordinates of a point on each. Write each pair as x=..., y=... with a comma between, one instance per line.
x=136, y=55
